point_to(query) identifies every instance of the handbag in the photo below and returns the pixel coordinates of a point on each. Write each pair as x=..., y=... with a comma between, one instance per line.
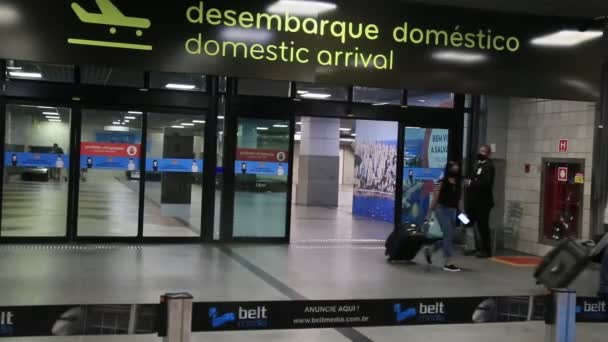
x=433, y=228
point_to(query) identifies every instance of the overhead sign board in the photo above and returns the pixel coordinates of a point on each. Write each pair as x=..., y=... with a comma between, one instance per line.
x=384, y=44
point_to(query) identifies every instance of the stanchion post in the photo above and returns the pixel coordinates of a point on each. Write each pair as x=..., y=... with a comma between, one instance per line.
x=179, y=317
x=561, y=317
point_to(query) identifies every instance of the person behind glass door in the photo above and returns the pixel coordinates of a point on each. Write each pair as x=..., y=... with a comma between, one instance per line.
x=481, y=201
x=446, y=204
x=56, y=174
x=131, y=165
x=244, y=168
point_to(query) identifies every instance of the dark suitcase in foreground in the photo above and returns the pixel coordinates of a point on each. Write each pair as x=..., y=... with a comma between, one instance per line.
x=560, y=267
x=404, y=243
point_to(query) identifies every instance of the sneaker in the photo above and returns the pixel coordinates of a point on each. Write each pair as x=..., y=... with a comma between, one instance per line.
x=428, y=255
x=451, y=268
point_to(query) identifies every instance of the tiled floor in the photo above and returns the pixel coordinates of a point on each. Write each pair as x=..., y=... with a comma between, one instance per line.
x=333, y=256
x=108, y=206
x=265, y=272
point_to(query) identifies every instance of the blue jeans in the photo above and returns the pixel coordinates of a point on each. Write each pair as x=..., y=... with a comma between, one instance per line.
x=604, y=273
x=446, y=217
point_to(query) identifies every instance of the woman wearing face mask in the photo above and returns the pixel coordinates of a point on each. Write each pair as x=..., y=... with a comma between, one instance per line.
x=446, y=204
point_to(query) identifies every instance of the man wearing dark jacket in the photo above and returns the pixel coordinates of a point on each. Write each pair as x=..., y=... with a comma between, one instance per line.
x=481, y=200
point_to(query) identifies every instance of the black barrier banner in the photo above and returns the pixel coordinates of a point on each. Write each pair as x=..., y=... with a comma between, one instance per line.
x=364, y=313
x=591, y=310
x=71, y=320
x=381, y=43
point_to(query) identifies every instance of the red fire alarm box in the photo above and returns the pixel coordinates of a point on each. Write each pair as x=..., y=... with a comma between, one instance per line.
x=561, y=199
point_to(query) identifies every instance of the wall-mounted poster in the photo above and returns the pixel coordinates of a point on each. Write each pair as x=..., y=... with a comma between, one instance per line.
x=426, y=154
x=375, y=170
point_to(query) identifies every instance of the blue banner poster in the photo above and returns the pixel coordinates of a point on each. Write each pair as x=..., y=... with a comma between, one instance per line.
x=426, y=154
x=32, y=160
x=375, y=170
x=174, y=165
x=109, y=163
x=260, y=168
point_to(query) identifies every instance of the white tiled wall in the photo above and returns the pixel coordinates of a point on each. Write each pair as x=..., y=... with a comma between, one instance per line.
x=534, y=129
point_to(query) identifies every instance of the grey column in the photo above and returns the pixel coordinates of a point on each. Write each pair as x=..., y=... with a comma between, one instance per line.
x=599, y=190
x=319, y=162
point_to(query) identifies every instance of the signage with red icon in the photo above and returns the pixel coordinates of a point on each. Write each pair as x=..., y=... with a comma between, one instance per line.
x=109, y=149
x=254, y=154
x=562, y=174
x=563, y=145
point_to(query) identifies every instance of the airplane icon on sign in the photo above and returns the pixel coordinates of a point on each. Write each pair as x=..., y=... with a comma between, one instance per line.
x=113, y=17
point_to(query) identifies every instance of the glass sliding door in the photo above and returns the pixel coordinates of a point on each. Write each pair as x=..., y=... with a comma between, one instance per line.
x=174, y=175
x=426, y=155
x=35, y=192
x=261, y=178
x=110, y=153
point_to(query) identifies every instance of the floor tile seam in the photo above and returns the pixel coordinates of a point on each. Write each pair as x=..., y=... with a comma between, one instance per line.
x=349, y=333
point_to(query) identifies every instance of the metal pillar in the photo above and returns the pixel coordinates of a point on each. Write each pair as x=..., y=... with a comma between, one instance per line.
x=561, y=317
x=179, y=317
x=599, y=190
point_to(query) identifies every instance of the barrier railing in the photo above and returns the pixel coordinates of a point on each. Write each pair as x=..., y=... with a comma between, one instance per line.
x=176, y=317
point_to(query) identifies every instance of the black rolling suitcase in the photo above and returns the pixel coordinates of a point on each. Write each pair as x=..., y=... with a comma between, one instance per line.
x=561, y=266
x=404, y=243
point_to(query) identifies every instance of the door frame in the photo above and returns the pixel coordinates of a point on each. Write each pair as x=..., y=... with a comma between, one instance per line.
x=96, y=97
x=4, y=103
x=288, y=108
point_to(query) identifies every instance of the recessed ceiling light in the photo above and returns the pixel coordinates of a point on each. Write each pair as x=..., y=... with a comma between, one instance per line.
x=52, y=116
x=130, y=117
x=50, y=113
x=198, y=121
x=220, y=117
x=187, y=124
x=25, y=74
x=459, y=57
x=179, y=86
x=127, y=121
x=280, y=126
x=380, y=104
x=353, y=134
x=262, y=128
x=566, y=38
x=315, y=96
x=301, y=7
x=345, y=129
x=423, y=101
x=116, y=123
x=177, y=126
x=302, y=92
x=299, y=123
x=13, y=68
x=347, y=140
x=45, y=107
x=54, y=120
x=135, y=112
